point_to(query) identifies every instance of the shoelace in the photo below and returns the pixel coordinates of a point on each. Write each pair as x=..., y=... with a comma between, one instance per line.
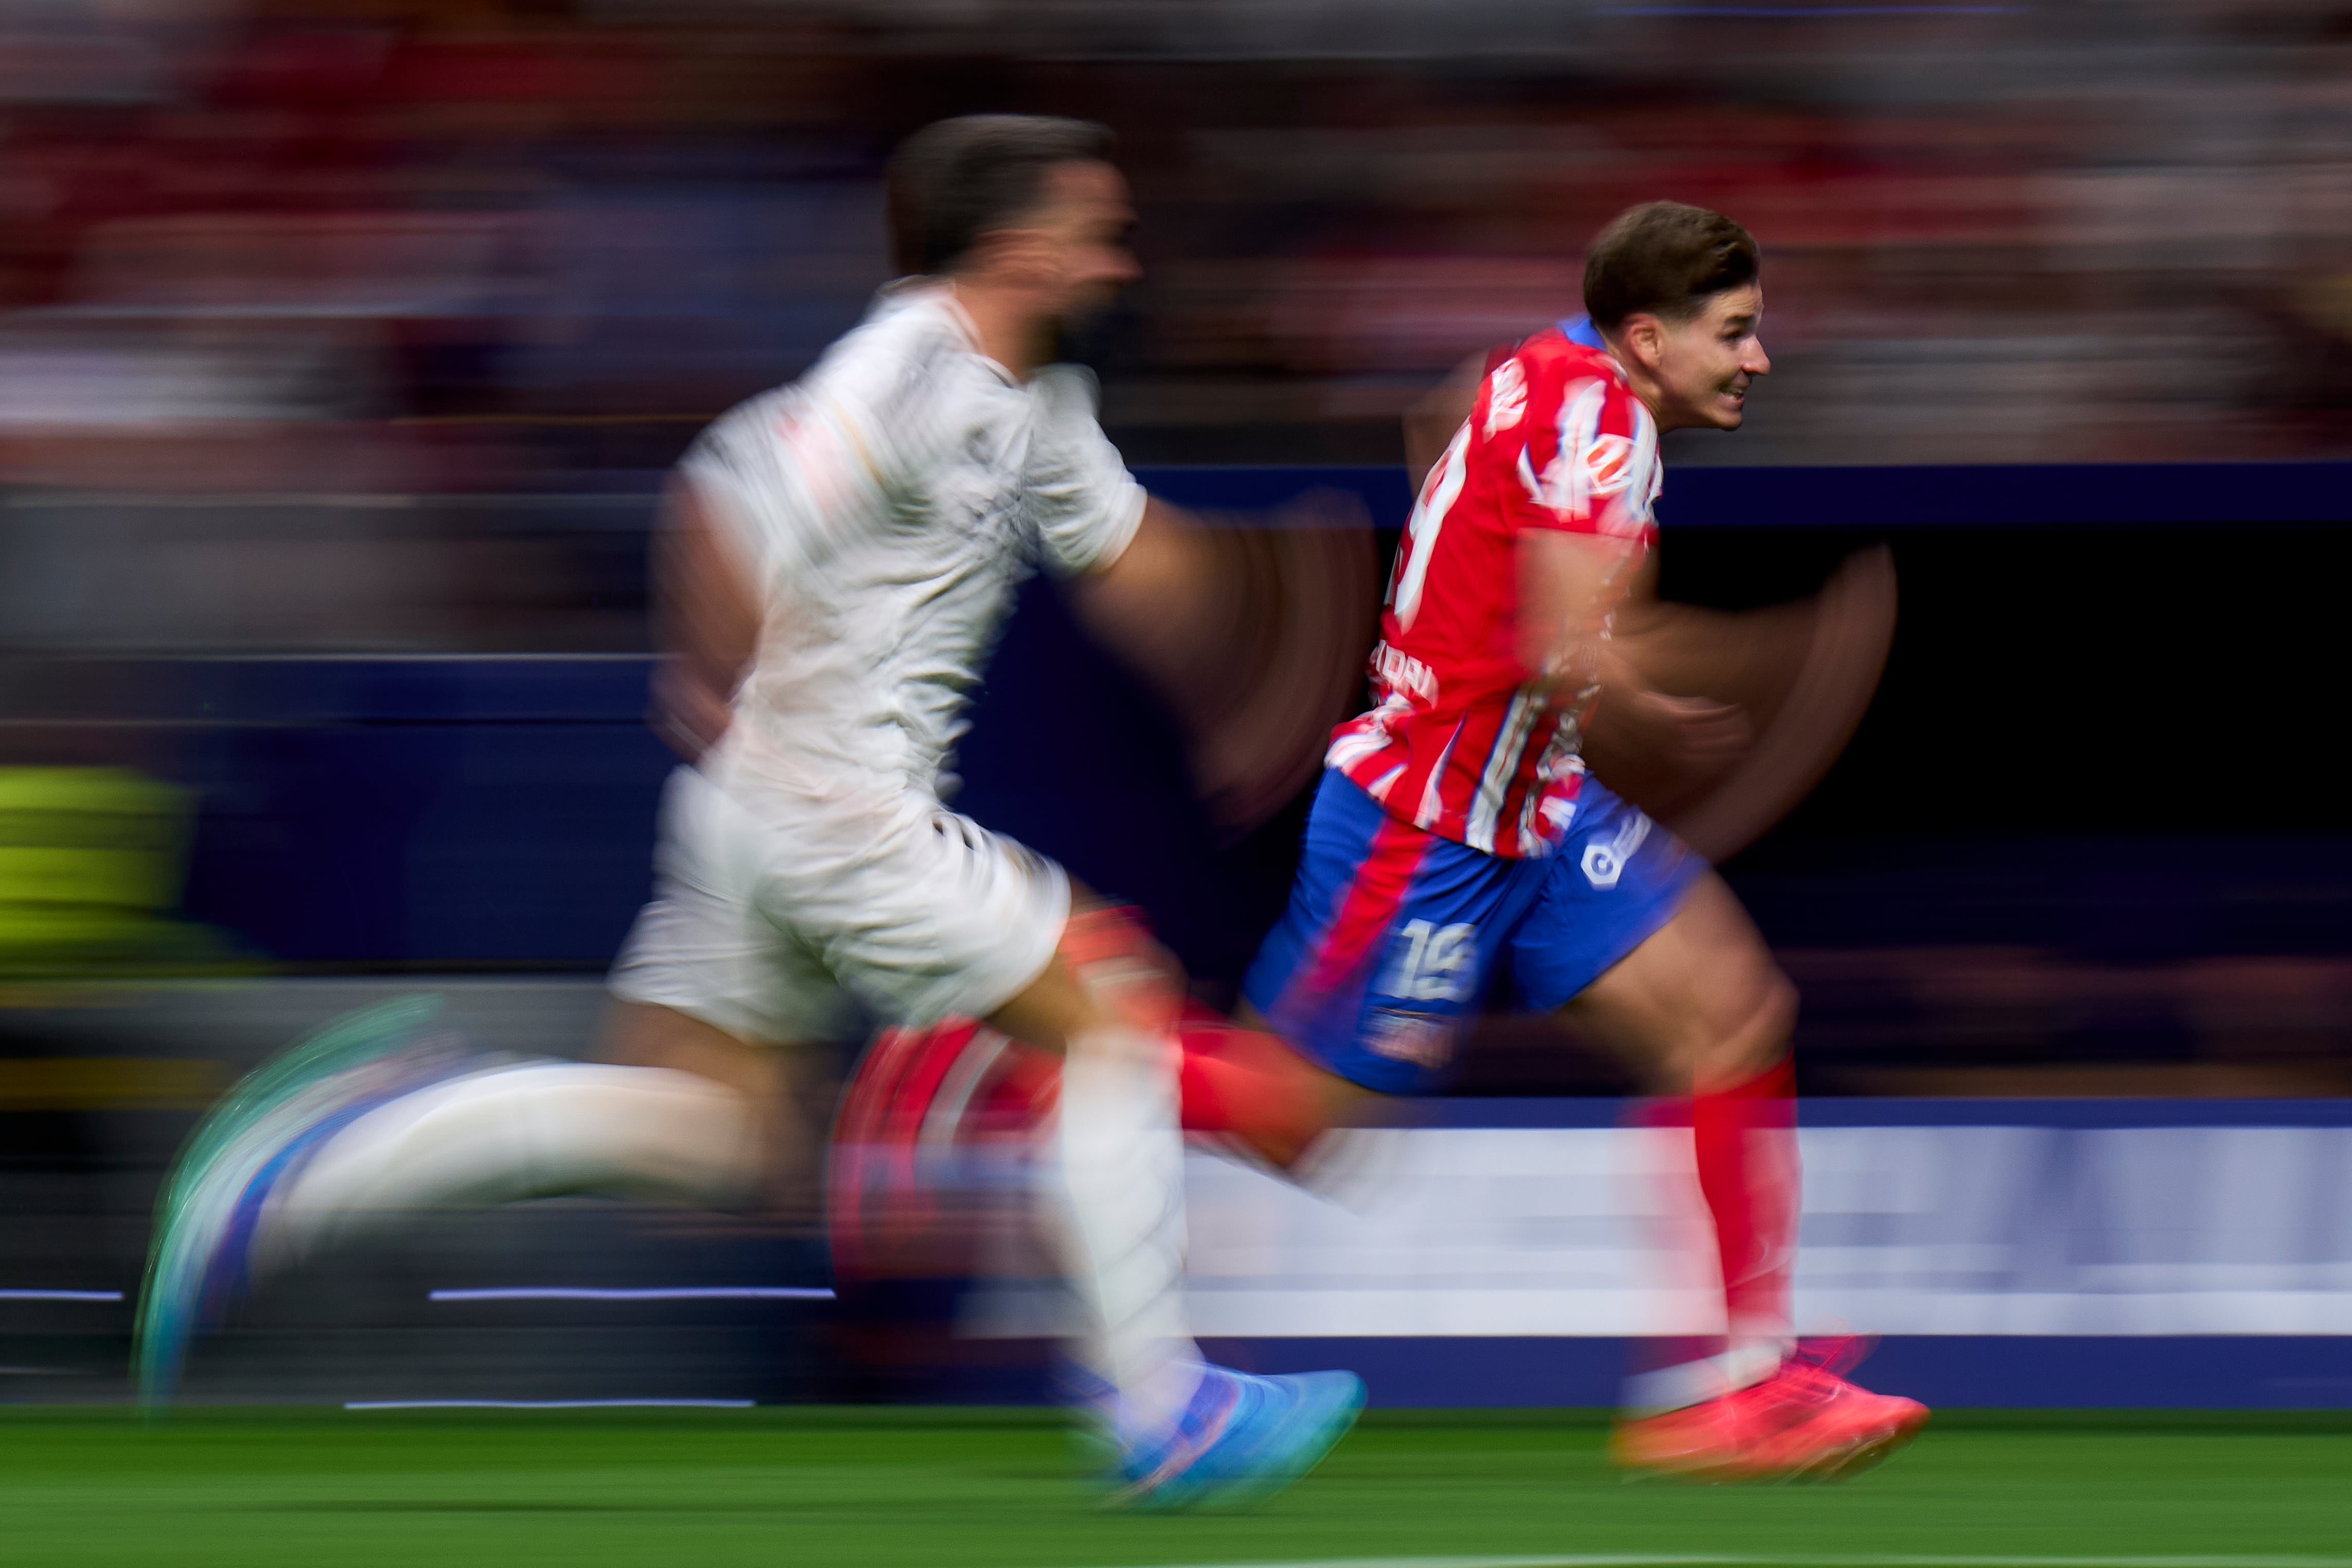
x=1810, y=1378
x=1833, y=1353
x=1200, y=1427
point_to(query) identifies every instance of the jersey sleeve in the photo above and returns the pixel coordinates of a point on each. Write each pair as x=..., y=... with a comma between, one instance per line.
x=800, y=472
x=1083, y=503
x=1563, y=447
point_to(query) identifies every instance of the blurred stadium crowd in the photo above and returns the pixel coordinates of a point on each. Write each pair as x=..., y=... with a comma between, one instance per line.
x=431, y=245
x=438, y=248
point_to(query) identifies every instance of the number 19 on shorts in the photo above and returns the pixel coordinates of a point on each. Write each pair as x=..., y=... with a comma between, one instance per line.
x=1433, y=963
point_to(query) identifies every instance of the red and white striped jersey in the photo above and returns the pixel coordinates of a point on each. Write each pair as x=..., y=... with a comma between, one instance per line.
x=1461, y=743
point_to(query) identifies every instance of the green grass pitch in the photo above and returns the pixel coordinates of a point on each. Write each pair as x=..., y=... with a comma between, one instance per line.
x=331, y=1489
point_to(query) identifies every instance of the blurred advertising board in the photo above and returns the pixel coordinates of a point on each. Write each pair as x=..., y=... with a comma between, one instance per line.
x=2009, y=1252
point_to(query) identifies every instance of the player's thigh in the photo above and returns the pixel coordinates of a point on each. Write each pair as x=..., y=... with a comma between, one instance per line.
x=1698, y=1001
x=645, y=1034
x=1640, y=943
x=791, y=1085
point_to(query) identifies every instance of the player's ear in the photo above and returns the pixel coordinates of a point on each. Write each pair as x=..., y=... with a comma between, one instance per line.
x=1023, y=258
x=1041, y=259
x=1644, y=337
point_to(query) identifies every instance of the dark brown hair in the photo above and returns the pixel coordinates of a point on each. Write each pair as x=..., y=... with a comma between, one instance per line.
x=956, y=180
x=1666, y=259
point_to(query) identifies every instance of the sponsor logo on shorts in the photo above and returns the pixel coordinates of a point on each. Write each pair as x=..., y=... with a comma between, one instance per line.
x=1415, y=1037
x=1604, y=863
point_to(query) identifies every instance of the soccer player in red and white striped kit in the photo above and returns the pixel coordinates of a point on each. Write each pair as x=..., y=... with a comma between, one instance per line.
x=1458, y=825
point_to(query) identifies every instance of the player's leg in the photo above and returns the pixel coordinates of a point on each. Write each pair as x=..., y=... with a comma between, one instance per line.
x=1237, y=1080
x=681, y=1111
x=1239, y=1088
x=944, y=920
x=784, y=1086
x=507, y=1133
x=378, y=1117
x=1245, y=1088
x=1700, y=1006
x=1702, y=1016
x=1113, y=1190
x=1112, y=1181
x=962, y=1083
x=384, y=1115
x=711, y=1005
x=1645, y=949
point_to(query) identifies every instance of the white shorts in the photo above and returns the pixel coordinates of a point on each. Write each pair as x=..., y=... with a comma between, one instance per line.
x=779, y=925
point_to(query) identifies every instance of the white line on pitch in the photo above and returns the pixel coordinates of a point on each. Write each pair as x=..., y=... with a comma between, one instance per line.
x=548, y=1404
x=652, y=1293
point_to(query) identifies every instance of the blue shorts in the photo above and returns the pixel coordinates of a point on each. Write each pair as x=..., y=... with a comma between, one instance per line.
x=1393, y=933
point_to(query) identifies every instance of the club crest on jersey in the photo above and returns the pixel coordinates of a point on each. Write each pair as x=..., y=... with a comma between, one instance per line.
x=1506, y=395
x=1591, y=467
x=1609, y=464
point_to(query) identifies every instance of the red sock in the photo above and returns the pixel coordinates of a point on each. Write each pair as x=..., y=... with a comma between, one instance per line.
x=1250, y=1086
x=1745, y=1137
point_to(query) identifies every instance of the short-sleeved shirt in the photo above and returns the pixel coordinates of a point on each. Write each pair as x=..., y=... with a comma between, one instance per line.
x=890, y=501
x=1462, y=740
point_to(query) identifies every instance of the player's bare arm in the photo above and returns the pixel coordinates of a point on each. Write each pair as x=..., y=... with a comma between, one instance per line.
x=1145, y=602
x=1572, y=586
x=707, y=621
x=1252, y=631
x=1592, y=621
x=1430, y=421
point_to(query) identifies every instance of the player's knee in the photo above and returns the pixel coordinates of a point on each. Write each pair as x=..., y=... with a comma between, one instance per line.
x=1753, y=1014
x=1773, y=1020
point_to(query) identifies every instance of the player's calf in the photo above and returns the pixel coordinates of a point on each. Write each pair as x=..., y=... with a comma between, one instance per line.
x=1111, y=1174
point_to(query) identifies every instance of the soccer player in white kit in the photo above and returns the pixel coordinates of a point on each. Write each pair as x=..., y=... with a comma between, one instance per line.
x=840, y=553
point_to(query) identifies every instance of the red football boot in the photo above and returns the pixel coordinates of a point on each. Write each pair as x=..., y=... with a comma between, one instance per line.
x=1804, y=1423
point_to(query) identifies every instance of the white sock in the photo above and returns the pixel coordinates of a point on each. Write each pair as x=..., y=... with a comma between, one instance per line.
x=1743, y=1366
x=537, y=1129
x=1115, y=1182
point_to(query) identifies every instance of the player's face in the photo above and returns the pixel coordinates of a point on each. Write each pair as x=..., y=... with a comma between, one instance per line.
x=1085, y=222
x=1706, y=364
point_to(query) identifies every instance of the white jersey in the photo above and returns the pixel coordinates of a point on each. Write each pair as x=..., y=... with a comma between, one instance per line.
x=891, y=500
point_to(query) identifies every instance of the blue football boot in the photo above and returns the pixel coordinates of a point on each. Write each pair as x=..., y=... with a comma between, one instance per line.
x=1242, y=1439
